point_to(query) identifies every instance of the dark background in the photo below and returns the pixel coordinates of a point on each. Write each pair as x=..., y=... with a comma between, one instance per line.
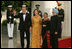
x=15, y=4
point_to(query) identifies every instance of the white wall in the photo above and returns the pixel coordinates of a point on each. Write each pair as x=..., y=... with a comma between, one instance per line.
x=67, y=19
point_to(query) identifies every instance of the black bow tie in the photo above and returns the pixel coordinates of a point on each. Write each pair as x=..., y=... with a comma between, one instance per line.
x=24, y=13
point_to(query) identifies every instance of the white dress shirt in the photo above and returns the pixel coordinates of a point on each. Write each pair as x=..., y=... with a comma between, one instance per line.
x=24, y=15
x=26, y=11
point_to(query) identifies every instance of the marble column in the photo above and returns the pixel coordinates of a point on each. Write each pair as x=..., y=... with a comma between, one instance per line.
x=67, y=19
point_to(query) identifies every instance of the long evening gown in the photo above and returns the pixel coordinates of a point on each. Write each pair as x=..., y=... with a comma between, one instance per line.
x=36, y=32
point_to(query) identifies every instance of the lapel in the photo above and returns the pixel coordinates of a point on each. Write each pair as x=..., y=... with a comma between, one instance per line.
x=25, y=16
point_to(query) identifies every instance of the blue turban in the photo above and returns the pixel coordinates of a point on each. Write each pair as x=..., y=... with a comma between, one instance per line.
x=55, y=10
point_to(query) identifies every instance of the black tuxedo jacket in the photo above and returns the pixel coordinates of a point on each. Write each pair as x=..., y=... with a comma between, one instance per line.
x=24, y=25
x=9, y=13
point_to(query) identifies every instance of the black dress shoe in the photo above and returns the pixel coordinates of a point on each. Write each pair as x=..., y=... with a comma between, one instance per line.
x=10, y=37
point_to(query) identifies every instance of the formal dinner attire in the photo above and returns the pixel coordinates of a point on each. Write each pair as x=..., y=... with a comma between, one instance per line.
x=24, y=25
x=36, y=32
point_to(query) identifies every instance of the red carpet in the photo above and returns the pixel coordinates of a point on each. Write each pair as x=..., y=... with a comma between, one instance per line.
x=64, y=43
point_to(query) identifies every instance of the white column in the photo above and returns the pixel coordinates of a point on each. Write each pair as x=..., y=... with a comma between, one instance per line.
x=67, y=19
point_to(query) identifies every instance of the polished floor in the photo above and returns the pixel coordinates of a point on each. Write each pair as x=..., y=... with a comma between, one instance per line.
x=11, y=43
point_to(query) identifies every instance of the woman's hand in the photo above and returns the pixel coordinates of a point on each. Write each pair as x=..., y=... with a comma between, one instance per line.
x=56, y=33
x=44, y=25
x=30, y=28
x=48, y=31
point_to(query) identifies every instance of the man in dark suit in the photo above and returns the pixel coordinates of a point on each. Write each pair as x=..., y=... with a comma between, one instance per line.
x=54, y=27
x=24, y=25
x=61, y=17
x=37, y=7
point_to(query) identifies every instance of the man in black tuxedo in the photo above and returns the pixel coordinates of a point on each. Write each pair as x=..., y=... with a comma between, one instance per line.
x=24, y=25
